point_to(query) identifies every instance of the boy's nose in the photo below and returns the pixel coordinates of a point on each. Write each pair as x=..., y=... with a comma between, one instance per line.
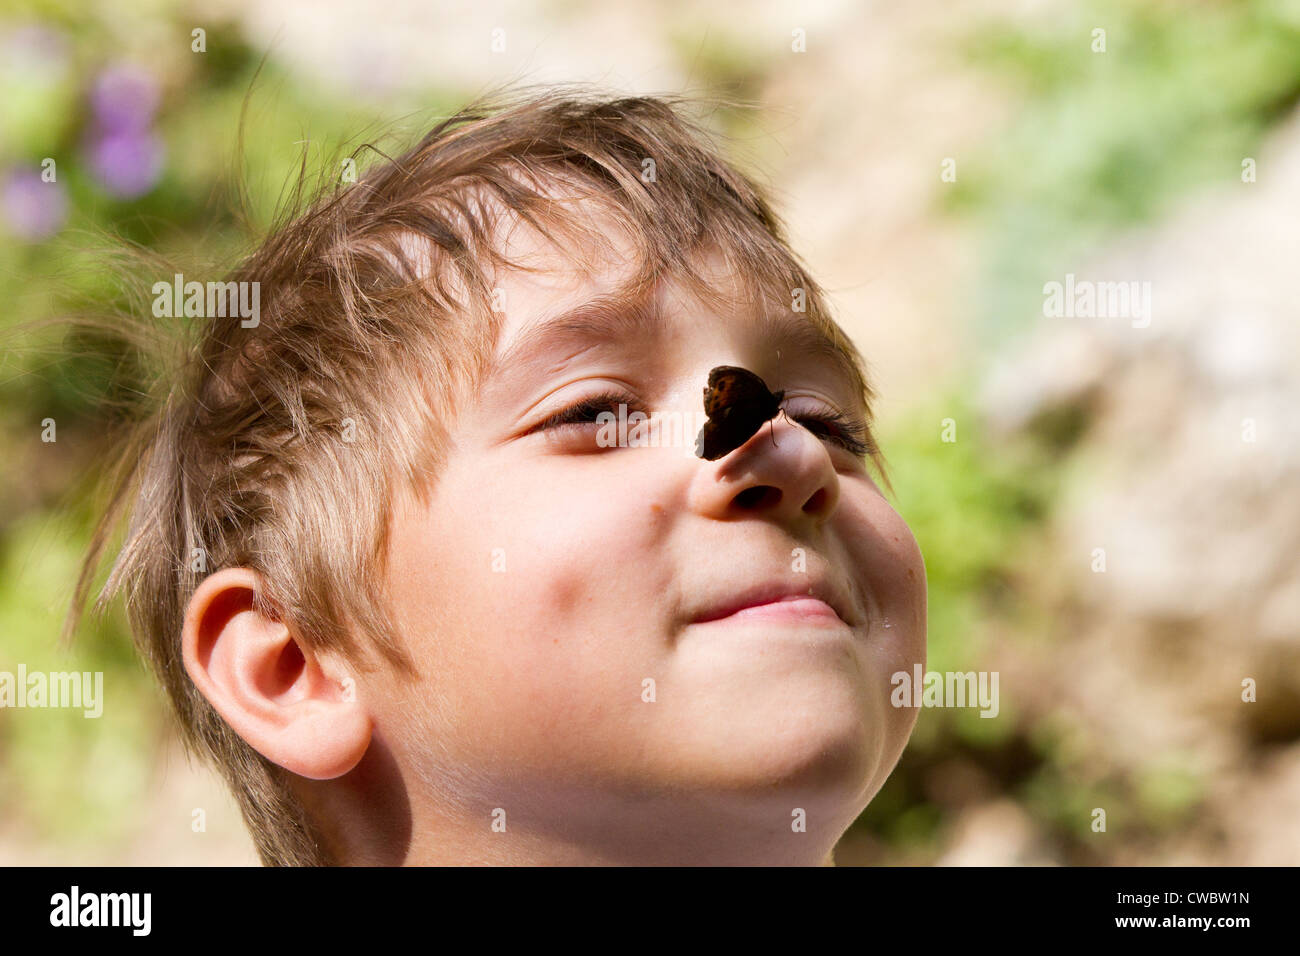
x=783, y=472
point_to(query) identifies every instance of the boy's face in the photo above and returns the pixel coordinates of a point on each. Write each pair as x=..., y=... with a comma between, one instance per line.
x=571, y=605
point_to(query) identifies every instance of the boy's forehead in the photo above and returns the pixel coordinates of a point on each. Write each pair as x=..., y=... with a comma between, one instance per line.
x=541, y=335
x=567, y=302
x=553, y=275
x=570, y=302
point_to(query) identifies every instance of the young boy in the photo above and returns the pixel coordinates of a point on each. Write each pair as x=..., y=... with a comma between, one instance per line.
x=416, y=612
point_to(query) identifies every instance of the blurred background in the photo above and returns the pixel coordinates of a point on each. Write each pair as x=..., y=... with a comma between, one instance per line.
x=1110, y=512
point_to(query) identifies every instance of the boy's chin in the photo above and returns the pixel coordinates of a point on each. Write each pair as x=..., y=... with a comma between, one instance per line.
x=827, y=759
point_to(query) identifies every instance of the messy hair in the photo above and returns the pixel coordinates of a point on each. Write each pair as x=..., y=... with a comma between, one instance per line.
x=281, y=447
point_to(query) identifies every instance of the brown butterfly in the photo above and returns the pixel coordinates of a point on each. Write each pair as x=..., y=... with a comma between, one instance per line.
x=737, y=402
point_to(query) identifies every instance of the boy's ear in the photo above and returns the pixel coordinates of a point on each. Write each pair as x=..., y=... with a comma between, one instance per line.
x=270, y=691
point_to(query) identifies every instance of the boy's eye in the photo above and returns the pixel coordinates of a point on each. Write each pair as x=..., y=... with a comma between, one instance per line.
x=849, y=433
x=840, y=429
x=585, y=411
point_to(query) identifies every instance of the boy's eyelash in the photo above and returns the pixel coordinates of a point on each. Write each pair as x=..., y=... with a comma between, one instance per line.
x=849, y=433
x=585, y=411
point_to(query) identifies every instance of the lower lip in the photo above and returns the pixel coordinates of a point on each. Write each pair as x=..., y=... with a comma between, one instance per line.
x=799, y=610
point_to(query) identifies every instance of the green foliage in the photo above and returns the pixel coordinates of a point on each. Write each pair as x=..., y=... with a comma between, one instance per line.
x=1104, y=140
x=1169, y=791
x=67, y=775
x=64, y=777
x=974, y=505
x=969, y=503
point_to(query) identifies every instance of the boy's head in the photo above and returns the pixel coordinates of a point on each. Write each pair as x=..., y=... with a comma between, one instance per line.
x=416, y=608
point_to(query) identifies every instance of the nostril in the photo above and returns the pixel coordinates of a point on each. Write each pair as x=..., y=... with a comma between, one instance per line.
x=816, y=503
x=760, y=496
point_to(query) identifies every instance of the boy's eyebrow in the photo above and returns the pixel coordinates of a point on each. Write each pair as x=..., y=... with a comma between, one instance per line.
x=610, y=316
x=604, y=316
x=804, y=337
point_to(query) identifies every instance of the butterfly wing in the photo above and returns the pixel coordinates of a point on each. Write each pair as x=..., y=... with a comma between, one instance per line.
x=737, y=403
x=712, y=442
x=727, y=385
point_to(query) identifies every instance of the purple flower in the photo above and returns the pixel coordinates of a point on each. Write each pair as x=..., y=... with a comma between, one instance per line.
x=127, y=164
x=124, y=98
x=33, y=209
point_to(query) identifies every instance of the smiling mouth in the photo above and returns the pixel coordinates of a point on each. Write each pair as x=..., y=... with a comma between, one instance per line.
x=788, y=607
x=795, y=608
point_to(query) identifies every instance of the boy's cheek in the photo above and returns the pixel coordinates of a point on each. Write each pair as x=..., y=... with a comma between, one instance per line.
x=890, y=563
x=567, y=536
x=891, y=574
x=897, y=644
x=535, y=580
